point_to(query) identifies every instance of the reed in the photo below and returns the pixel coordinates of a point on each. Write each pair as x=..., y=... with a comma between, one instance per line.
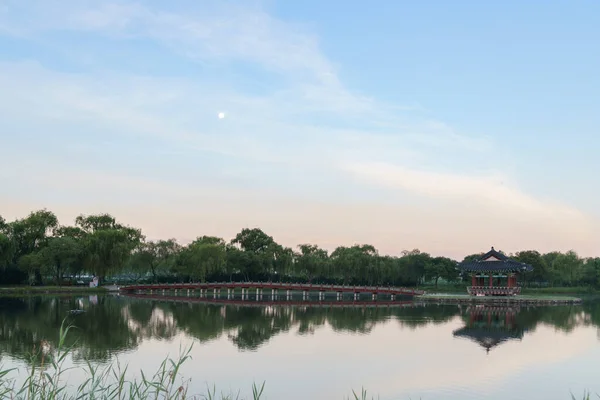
x=46, y=381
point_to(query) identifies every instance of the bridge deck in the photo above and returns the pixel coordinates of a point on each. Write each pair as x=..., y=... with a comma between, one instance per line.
x=274, y=303
x=274, y=286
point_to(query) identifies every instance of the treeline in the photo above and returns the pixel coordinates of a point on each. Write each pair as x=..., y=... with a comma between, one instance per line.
x=38, y=250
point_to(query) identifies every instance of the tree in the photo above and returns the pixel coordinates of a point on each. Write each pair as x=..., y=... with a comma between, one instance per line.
x=261, y=252
x=441, y=267
x=283, y=260
x=31, y=264
x=591, y=272
x=60, y=255
x=356, y=264
x=568, y=267
x=7, y=250
x=311, y=261
x=254, y=240
x=472, y=257
x=106, y=243
x=155, y=257
x=413, y=266
x=30, y=235
x=7, y=246
x=540, y=271
x=205, y=255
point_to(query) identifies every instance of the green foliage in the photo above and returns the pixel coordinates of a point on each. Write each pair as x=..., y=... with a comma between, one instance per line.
x=36, y=246
x=107, y=245
x=540, y=271
x=205, y=255
x=311, y=261
x=441, y=267
x=158, y=258
x=7, y=250
x=253, y=240
x=62, y=254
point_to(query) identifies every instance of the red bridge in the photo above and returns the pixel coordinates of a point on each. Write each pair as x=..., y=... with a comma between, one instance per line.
x=274, y=287
x=275, y=303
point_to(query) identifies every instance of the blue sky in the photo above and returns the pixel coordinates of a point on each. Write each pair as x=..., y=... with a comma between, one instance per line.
x=447, y=126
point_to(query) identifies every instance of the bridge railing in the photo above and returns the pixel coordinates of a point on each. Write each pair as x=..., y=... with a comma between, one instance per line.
x=274, y=285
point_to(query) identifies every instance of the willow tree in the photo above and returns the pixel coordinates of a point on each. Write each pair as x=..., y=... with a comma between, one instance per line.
x=7, y=247
x=204, y=256
x=158, y=257
x=107, y=245
x=29, y=236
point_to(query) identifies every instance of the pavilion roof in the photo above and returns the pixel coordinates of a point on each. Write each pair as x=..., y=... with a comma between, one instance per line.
x=488, y=337
x=494, y=261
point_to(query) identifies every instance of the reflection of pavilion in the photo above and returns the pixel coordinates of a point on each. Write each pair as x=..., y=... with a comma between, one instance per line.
x=490, y=325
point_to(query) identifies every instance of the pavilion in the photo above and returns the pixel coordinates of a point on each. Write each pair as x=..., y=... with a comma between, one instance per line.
x=494, y=274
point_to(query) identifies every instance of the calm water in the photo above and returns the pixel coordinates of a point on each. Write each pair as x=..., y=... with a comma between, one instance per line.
x=308, y=352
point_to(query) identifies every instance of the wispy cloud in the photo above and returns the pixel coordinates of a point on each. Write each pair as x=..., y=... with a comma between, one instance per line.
x=306, y=133
x=496, y=191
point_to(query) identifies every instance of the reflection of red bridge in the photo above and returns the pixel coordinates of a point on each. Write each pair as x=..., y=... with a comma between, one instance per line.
x=273, y=302
x=274, y=287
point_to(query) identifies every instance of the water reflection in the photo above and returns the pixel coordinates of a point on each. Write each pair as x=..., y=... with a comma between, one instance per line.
x=112, y=324
x=490, y=326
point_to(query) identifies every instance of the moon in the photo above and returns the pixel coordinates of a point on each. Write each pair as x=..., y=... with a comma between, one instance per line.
x=221, y=115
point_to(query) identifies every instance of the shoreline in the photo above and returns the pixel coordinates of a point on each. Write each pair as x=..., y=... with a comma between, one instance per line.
x=51, y=290
x=519, y=299
x=430, y=297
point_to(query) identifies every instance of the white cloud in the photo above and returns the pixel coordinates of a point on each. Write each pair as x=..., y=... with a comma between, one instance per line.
x=495, y=190
x=308, y=123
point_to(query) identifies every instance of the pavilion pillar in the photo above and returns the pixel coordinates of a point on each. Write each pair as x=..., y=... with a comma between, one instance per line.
x=473, y=280
x=491, y=279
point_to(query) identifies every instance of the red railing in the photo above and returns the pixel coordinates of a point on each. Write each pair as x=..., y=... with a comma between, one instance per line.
x=274, y=286
x=307, y=303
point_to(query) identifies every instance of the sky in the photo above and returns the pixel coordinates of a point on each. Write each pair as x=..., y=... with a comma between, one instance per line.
x=445, y=126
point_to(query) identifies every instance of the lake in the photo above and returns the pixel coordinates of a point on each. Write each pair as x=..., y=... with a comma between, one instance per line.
x=408, y=351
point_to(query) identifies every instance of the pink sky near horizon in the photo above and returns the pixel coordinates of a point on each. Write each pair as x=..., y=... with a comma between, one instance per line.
x=450, y=229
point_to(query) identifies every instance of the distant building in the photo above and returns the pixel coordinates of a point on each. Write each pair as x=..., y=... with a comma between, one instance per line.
x=494, y=274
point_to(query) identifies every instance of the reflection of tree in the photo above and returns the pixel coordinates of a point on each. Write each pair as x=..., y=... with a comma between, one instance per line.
x=100, y=331
x=117, y=324
x=150, y=319
x=253, y=327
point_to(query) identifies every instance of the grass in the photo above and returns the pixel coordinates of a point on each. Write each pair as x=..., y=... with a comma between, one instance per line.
x=45, y=380
x=561, y=290
x=49, y=289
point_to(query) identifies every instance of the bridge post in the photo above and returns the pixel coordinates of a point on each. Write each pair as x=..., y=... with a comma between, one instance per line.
x=257, y=293
x=287, y=294
x=374, y=296
x=392, y=297
x=304, y=295
x=355, y=296
x=320, y=295
x=188, y=293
